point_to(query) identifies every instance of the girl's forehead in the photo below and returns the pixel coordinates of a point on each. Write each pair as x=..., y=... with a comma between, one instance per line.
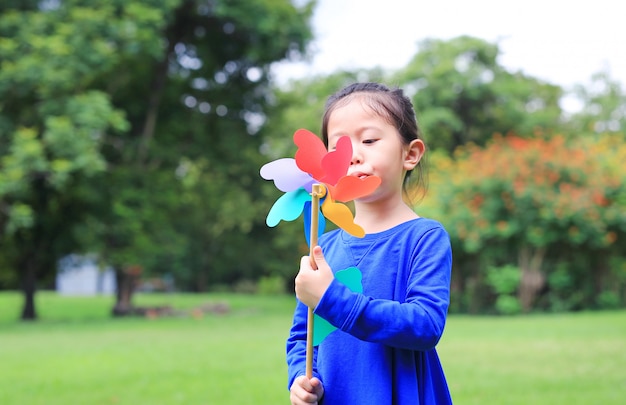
x=354, y=114
x=356, y=106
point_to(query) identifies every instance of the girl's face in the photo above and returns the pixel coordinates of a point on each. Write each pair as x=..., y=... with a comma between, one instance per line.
x=377, y=147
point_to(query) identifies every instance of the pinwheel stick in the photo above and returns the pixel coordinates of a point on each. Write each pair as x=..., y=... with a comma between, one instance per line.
x=318, y=191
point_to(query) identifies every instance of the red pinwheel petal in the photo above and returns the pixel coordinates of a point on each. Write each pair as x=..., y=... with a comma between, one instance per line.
x=310, y=152
x=337, y=162
x=351, y=188
x=341, y=216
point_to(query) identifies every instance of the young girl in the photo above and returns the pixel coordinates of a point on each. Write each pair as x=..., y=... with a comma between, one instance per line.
x=384, y=349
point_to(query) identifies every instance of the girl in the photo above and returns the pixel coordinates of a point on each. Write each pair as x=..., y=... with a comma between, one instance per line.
x=384, y=349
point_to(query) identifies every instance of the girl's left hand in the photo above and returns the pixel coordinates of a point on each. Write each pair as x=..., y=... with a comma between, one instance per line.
x=312, y=284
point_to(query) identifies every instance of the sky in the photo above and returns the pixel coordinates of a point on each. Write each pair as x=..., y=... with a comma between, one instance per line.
x=561, y=42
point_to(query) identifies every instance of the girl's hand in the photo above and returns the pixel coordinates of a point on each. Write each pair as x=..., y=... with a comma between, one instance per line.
x=305, y=391
x=312, y=284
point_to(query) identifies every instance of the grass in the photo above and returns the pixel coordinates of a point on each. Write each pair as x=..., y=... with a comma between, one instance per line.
x=77, y=354
x=540, y=359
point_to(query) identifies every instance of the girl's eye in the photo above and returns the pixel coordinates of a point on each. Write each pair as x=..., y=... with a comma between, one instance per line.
x=369, y=141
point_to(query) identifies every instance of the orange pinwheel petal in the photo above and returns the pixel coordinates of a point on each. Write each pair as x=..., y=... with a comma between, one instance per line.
x=350, y=188
x=341, y=216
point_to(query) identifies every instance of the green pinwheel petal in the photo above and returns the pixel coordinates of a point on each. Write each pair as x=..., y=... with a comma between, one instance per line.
x=351, y=277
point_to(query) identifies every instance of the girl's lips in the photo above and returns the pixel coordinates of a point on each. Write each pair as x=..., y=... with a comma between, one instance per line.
x=360, y=175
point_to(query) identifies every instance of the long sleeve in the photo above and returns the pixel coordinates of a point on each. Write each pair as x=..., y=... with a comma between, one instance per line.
x=415, y=322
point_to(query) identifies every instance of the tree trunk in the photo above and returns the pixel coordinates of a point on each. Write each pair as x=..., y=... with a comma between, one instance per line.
x=126, y=280
x=28, y=288
x=600, y=273
x=532, y=280
x=34, y=248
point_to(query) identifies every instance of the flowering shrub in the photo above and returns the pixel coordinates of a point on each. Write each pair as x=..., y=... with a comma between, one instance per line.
x=524, y=200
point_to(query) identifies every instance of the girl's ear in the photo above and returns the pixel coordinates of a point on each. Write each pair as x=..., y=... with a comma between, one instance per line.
x=414, y=152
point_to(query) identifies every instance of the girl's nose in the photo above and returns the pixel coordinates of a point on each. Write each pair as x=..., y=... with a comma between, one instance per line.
x=356, y=155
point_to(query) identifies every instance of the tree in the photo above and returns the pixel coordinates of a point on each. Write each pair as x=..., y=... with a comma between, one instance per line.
x=603, y=106
x=52, y=125
x=204, y=149
x=127, y=96
x=463, y=95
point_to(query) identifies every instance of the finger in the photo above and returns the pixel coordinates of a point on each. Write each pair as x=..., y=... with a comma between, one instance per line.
x=302, y=392
x=304, y=383
x=318, y=388
x=318, y=256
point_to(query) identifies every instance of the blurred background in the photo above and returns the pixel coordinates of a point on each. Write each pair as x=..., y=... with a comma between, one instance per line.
x=132, y=133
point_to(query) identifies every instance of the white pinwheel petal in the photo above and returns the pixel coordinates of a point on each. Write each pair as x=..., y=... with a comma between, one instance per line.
x=285, y=174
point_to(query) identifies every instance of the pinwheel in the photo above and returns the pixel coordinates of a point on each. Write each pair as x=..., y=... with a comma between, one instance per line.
x=323, y=177
x=313, y=164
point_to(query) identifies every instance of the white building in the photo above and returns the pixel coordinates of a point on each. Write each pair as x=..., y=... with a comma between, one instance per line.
x=80, y=275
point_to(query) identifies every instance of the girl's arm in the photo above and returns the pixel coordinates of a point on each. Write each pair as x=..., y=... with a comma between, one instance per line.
x=415, y=324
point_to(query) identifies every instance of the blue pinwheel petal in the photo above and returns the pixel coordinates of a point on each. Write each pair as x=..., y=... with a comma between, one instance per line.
x=321, y=223
x=288, y=207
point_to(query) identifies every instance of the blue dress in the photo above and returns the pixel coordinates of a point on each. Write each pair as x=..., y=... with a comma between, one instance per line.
x=384, y=349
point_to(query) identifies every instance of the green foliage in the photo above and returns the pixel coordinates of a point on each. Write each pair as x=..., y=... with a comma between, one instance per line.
x=463, y=95
x=608, y=300
x=55, y=118
x=271, y=285
x=503, y=280
x=133, y=124
x=603, y=106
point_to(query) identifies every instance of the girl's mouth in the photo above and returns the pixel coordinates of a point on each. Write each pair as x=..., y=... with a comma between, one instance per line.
x=360, y=175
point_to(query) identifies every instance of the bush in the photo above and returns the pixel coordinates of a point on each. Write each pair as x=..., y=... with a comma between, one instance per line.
x=271, y=285
x=508, y=305
x=608, y=300
x=505, y=281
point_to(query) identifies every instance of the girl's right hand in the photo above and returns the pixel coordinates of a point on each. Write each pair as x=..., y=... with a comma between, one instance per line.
x=304, y=391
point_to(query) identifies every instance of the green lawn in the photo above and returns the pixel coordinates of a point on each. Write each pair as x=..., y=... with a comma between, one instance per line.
x=77, y=354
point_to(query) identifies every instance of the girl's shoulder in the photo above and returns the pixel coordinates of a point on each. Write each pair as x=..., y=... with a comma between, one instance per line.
x=423, y=224
x=416, y=229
